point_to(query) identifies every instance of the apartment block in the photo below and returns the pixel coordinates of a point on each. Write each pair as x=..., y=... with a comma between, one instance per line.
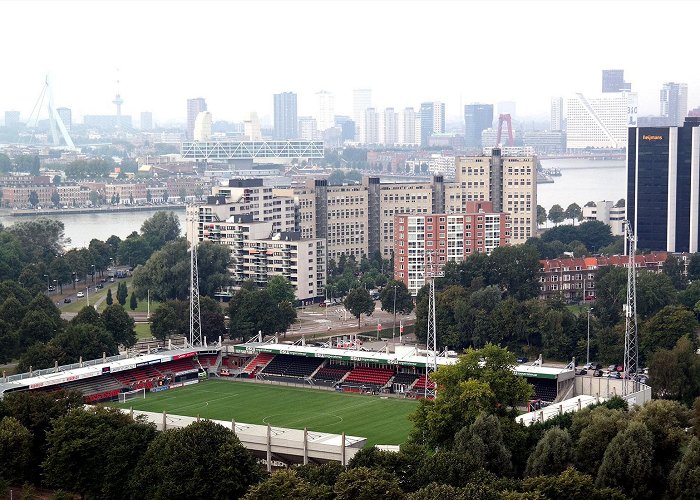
x=607, y=213
x=448, y=237
x=17, y=196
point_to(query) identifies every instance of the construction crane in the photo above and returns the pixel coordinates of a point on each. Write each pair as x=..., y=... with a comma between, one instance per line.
x=631, y=332
x=505, y=118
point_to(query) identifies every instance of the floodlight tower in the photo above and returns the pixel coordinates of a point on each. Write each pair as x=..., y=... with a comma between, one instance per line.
x=195, y=316
x=431, y=336
x=631, y=332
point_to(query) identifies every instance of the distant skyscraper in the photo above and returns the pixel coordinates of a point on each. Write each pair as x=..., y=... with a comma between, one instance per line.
x=432, y=120
x=308, y=130
x=202, y=127
x=674, y=103
x=391, y=125
x=407, y=127
x=251, y=127
x=371, y=128
x=66, y=117
x=286, y=116
x=361, y=100
x=146, y=120
x=326, y=110
x=556, y=120
x=347, y=127
x=477, y=118
x=614, y=81
x=194, y=107
x=11, y=118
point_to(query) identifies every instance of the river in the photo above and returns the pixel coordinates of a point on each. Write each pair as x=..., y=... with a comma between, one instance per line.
x=81, y=228
x=580, y=181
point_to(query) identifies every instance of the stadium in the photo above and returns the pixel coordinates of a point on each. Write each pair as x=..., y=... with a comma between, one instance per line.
x=292, y=403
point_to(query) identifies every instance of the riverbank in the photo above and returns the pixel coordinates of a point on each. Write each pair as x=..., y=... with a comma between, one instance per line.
x=92, y=210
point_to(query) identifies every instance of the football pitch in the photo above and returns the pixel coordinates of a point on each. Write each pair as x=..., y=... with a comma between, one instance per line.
x=381, y=421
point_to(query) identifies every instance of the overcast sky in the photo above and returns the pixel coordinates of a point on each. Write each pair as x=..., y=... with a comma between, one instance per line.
x=237, y=54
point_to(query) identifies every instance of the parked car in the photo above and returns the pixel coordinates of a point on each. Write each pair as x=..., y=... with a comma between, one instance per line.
x=99, y=285
x=598, y=373
x=613, y=374
x=66, y=300
x=81, y=294
x=522, y=360
x=581, y=371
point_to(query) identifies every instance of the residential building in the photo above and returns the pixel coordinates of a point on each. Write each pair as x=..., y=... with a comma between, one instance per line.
x=347, y=126
x=573, y=279
x=607, y=213
x=448, y=237
x=326, y=110
x=251, y=127
x=391, y=125
x=308, y=129
x=674, y=103
x=407, y=128
x=146, y=120
x=371, y=126
x=361, y=100
x=194, y=107
x=477, y=118
x=286, y=120
x=202, y=127
x=545, y=142
x=556, y=117
x=663, y=186
x=17, y=195
x=600, y=122
x=432, y=120
x=614, y=81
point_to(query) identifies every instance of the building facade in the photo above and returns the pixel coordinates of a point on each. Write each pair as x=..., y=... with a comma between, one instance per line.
x=285, y=105
x=194, y=107
x=607, y=213
x=477, y=118
x=673, y=100
x=445, y=238
x=361, y=100
x=556, y=116
x=663, y=186
x=432, y=120
x=600, y=122
x=614, y=81
x=326, y=110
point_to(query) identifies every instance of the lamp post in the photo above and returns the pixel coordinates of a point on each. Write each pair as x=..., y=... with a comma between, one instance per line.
x=93, y=273
x=588, y=338
x=393, y=328
x=48, y=284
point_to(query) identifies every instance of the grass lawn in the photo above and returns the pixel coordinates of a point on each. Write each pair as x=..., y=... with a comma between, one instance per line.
x=143, y=331
x=381, y=421
x=78, y=304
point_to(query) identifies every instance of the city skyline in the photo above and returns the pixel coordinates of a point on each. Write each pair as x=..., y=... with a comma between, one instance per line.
x=147, y=83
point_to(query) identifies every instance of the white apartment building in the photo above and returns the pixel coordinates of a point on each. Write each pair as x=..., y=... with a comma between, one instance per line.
x=407, y=124
x=371, y=126
x=608, y=213
x=556, y=119
x=600, y=122
x=391, y=125
x=326, y=110
x=361, y=100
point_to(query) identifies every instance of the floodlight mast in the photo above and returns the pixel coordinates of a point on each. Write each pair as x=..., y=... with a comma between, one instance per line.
x=195, y=316
x=431, y=336
x=631, y=361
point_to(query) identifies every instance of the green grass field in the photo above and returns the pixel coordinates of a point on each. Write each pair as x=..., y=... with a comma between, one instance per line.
x=381, y=421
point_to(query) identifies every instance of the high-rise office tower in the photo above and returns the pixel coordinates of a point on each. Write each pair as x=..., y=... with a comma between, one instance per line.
x=432, y=120
x=674, y=102
x=371, y=126
x=146, y=120
x=407, y=127
x=477, y=118
x=326, y=110
x=285, y=116
x=663, y=186
x=66, y=117
x=556, y=119
x=11, y=119
x=194, y=107
x=361, y=100
x=614, y=81
x=391, y=125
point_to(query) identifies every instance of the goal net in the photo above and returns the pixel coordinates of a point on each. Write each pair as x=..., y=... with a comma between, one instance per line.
x=129, y=395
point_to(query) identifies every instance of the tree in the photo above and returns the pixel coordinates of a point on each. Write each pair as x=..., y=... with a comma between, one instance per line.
x=362, y=483
x=556, y=214
x=552, y=455
x=9, y=341
x=627, y=461
x=685, y=477
x=573, y=212
x=161, y=228
x=212, y=317
x=15, y=450
x=359, y=302
x=592, y=430
x=694, y=267
x=109, y=298
x=88, y=316
x=119, y=324
x=482, y=380
x=56, y=199
x=206, y=450
x=281, y=290
x=620, y=203
x=286, y=484
x=36, y=326
x=166, y=273
x=41, y=239
x=122, y=293
x=84, y=341
x=541, y=215
x=253, y=311
x=39, y=356
x=674, y=270
x=213, y=261
x=134, y=250
x=404, y=300
x=133, y=303
x=164, y=321
x=484, y=439
x=33, y=198
x=664, y=329
x=5, y=163
x=93, y=451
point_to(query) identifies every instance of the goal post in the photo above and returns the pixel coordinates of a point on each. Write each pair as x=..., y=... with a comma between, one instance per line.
x=129, y=395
